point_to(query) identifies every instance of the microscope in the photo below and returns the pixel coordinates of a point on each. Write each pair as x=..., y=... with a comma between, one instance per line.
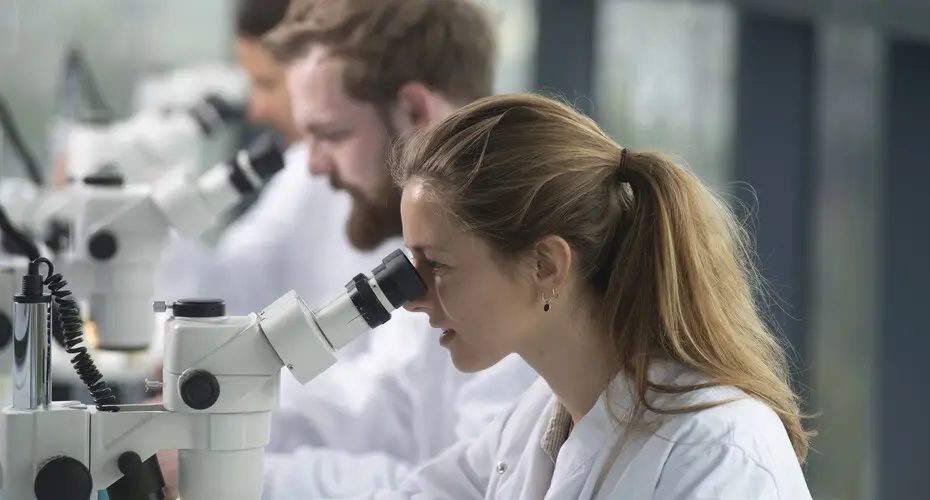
x=120, y=229
x=183, y=87
x=148, y=142
x=117, y=236
x=221, y=381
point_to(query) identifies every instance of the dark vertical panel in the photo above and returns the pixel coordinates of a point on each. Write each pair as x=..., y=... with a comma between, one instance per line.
x=904, y=400
x=565, y=50
x=773, y=154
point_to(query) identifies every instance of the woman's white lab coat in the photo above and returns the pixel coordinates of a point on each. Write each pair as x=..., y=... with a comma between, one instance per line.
x=738, y=451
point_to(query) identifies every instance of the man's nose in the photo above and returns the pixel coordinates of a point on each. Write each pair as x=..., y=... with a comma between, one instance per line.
x=317, y=163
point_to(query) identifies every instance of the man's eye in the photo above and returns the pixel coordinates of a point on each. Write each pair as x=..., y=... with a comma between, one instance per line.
x=334, y=136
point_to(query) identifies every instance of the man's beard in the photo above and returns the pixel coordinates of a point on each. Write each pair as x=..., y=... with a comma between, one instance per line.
x=373, y=221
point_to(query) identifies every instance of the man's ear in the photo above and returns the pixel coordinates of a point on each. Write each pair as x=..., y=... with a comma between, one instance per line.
x=553, y=260
x=416, y=106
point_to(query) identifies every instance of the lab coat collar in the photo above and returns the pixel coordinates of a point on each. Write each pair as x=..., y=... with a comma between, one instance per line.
x=599, y=427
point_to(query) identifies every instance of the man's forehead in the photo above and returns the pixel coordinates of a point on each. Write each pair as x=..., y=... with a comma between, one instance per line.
x=317, y=86
x=317, y=70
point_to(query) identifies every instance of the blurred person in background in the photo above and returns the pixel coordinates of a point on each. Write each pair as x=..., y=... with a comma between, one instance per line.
x=359, y=73
x=290, y=238
x=264, y=253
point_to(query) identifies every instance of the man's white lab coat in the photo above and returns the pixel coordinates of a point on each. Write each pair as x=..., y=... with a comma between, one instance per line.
x=394, y=400
x=738, y=451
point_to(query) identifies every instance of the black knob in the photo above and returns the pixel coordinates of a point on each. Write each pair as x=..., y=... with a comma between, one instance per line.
x=266, y=156
x=63, y=478
x=199, y=308
x=199, y=389
x=102, y=245
x=140, y=479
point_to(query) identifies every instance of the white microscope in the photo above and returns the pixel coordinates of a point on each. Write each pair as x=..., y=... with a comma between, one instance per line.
x=221, y=382
x=119, y=231
x=182, y=87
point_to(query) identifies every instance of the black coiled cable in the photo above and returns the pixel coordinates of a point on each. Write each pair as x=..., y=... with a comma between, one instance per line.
x=73, y=332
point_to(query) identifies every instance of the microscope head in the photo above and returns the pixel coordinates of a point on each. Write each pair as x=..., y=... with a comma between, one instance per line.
x=150, y=142
x=121, y=228
x=184, y=87
x=193, y=205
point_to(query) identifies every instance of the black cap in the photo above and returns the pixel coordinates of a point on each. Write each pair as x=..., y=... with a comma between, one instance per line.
x=398, y=279
x=107, y=176
x=199, y=308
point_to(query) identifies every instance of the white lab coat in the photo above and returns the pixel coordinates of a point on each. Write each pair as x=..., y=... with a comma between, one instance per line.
x=738, y=451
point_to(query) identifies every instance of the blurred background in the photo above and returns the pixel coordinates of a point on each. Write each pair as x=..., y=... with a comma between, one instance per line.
x=812, y=114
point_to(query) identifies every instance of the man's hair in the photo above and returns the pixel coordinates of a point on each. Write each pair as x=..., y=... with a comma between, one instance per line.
x=448, y=45
x=255, y=18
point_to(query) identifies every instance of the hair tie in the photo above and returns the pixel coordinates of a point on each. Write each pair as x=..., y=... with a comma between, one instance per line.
x=623, y=172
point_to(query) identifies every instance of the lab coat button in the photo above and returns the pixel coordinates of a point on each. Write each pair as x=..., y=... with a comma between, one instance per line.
x=501, y=468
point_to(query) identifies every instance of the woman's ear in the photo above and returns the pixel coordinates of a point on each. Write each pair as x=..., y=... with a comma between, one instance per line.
x=553, y=259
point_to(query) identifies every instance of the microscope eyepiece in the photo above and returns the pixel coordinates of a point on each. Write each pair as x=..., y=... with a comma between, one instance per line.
x=399, y=279
x=251, y=168
x=226, y=111
x=266, y=156
x=395, y=280
x=213, y=113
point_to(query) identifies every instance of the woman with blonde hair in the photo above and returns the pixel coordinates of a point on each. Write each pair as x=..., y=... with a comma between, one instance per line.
x=625, y=284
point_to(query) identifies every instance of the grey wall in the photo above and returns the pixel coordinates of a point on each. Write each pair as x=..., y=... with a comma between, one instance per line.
x=123, y=39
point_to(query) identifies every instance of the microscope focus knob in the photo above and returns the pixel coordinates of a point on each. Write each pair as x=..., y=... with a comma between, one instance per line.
x=102, y=245
x=199, y=389
x=63, y=478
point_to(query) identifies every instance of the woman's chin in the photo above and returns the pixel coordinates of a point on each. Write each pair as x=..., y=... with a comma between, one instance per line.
x=464, y=361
